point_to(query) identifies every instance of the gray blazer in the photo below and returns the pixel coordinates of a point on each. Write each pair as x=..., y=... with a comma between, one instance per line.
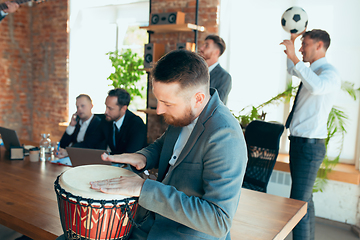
x=220, y=79
x=200, y=194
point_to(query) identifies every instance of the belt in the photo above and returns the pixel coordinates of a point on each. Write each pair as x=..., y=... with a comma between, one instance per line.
x=306, y=140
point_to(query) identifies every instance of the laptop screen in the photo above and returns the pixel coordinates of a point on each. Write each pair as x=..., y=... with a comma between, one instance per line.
x=9, y=138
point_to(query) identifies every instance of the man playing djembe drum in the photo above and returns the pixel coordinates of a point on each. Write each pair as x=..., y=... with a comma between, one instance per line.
x=201, y=158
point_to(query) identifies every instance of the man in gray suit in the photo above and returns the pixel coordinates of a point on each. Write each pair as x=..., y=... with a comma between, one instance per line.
x=213, y=47
x=201, y=158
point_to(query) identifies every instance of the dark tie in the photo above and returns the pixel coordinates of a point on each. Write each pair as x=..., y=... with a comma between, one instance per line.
x=76, y=132
x=288, y=120
x=115, y=133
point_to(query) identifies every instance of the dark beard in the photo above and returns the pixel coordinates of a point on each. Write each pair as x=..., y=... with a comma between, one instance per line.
x=110, y=119
x=186, y=120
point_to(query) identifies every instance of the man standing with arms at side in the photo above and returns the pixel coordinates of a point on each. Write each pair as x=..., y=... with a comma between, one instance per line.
x=220, y=79
x=307, y=120
x=201, y=158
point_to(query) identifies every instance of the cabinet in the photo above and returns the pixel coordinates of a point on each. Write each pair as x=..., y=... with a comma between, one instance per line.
x=167, y=28
x=167, y=34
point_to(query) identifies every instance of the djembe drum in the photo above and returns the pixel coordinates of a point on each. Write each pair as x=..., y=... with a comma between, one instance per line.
x=86, y=213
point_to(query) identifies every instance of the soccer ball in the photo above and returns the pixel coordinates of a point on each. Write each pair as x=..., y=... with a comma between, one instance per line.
x=294, y=20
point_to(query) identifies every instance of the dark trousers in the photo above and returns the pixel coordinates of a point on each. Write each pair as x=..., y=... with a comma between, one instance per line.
x=305, y=160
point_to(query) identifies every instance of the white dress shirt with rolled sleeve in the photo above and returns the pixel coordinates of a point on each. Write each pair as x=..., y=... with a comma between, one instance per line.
x=321, y=84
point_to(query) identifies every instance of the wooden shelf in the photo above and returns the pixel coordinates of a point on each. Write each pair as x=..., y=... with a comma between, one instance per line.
x=186, y=27
x=63, y=126
x=341, y=172
x=148, y=111
x=145, y=69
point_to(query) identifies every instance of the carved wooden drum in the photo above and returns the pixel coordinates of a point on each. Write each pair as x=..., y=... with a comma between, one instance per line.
x=86, y=213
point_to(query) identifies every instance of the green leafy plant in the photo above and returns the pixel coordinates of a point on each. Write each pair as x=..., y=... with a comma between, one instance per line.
x=245, y=115
x=245, y=119
x=336, y=128
x=127, y=73
x=336, y=124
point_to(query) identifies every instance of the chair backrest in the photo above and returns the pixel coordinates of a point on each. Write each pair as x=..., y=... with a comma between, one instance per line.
x=262, y=140
x=100, y=115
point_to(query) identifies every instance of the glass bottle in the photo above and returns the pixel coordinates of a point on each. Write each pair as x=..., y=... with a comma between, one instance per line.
x=49, y=149
x=44, y=146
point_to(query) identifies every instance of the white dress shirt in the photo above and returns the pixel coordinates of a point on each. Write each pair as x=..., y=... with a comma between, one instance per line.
x=181, y=141
x=213, y=66
x=321, y=83
x=119, y=122
x=83, y=127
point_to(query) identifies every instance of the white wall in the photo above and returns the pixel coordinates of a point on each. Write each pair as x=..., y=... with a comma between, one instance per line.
x=93, y=32
x=338, y=202
x=256, y=61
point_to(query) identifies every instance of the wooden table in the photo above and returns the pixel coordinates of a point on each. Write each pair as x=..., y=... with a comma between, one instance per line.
x=264, y=216
x=28, y=204
x=27, y=197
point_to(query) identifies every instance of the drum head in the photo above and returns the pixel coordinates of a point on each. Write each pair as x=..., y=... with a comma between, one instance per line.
x=77, y=180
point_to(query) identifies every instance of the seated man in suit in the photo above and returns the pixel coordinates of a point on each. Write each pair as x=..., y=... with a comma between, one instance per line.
x=11, y=7
x=122, y=131
x=213, y=47
x=83, y=126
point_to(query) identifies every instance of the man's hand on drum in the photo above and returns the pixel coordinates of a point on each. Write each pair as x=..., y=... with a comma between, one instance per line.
x=134, y=159
x=124, y=185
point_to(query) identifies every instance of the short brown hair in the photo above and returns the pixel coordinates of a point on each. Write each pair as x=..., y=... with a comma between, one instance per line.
x=219, y=42
x=187, y=68
x=123, y=97
x=84, y=95
x=318, y=35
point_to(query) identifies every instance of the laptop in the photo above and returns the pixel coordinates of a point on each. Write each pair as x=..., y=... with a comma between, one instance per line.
x=85, y=156
x=9, y=138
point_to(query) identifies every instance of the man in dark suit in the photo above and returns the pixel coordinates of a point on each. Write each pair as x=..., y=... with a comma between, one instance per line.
x=83, y=127
x=11, y=7
x=213, y=47
x=122, y=131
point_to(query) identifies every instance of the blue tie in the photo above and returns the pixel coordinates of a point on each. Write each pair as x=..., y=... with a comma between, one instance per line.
x=288, y=120
x=115, y=130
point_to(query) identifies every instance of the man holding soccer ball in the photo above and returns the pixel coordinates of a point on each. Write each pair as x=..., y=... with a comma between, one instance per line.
x=307, y=120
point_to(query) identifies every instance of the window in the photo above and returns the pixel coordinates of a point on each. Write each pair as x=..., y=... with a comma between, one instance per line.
x=257, y=63
x=95, y=29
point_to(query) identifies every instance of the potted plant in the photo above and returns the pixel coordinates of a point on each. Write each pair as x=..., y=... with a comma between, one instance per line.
x=127, y=71
x=335, y=125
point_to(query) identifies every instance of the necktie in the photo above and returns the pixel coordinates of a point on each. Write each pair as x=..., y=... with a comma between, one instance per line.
x=76, y=132
x=115, y=131
x=288, y=120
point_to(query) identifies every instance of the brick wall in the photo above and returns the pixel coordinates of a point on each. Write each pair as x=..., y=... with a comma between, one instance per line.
x=34, y=57
x=33, y=69
x=208, y=16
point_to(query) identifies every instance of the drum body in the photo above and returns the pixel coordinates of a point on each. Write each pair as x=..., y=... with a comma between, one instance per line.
x=86, y=213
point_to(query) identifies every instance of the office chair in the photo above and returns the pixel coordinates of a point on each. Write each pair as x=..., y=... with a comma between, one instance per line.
x=262, y=140
x=100, y=115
